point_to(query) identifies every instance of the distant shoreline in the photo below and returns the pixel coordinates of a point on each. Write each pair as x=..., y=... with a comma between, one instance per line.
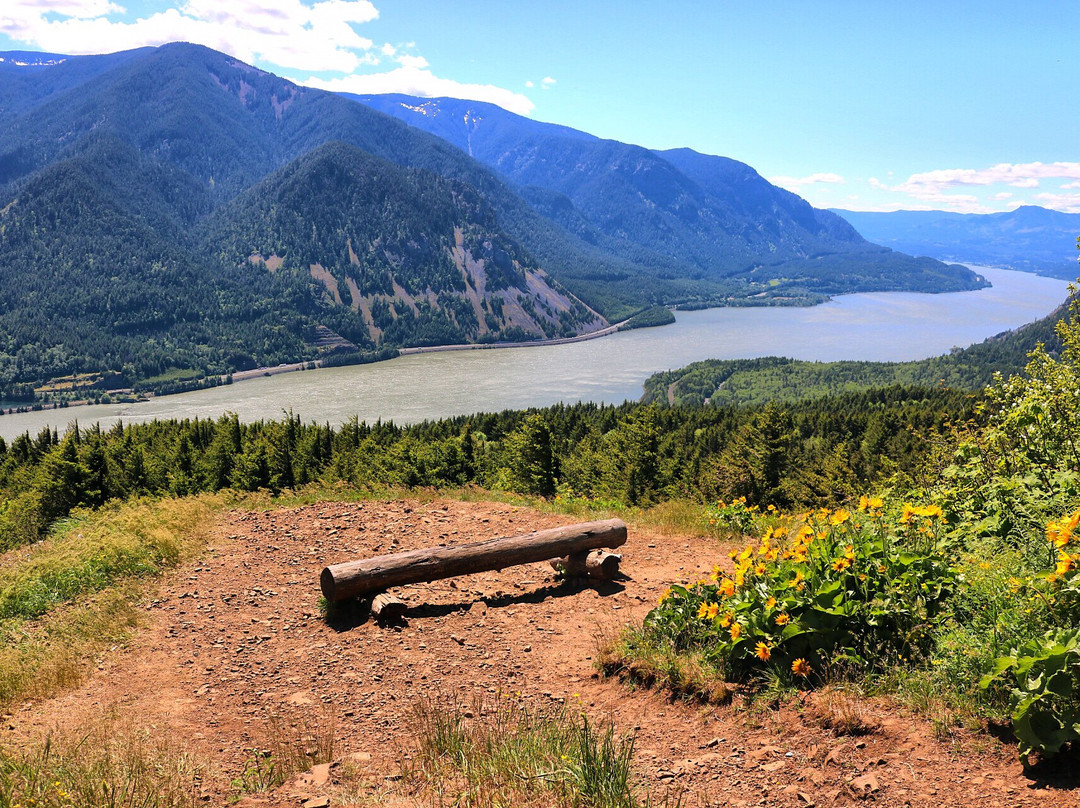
x=292, y=367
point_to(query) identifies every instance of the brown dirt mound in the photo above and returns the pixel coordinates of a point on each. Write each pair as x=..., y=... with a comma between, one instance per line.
x=236, y=642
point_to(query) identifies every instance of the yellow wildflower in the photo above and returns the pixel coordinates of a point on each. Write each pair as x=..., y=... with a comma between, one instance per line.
x=725, y=621
x=770, y=603
x=800, y=667
x=839, y=516
x=1066, y=563
x=736, y=630
x=907, y=514
x=864, y=502
x=665, y=595
x=762, y=652
x=727, y=587
x=703, y=609
x=712, y=612
x=783, y=619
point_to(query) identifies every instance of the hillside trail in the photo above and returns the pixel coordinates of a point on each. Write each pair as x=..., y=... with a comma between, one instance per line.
x=235, y=649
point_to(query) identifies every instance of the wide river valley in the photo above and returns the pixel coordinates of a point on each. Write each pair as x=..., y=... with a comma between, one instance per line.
x=891, y=326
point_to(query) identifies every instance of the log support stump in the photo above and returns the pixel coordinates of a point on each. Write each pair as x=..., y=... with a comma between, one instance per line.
x=387, y=608
x=598, y=564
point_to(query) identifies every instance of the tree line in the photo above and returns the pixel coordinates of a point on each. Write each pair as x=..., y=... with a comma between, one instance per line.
x=808, y=453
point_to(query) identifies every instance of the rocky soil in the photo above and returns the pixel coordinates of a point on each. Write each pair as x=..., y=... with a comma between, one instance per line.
x=235, y=647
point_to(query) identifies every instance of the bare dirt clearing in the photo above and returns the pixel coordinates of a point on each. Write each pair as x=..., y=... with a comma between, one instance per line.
x=235, y=644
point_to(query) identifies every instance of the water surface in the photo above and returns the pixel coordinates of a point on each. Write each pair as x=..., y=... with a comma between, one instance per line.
x=887, y=326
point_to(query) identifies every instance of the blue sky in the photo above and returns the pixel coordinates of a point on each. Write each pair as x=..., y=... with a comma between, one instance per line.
x=931, y=104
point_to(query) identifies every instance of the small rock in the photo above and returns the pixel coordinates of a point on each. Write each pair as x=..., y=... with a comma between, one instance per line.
x=865, y=785
x=834, y=755
x=316, y=802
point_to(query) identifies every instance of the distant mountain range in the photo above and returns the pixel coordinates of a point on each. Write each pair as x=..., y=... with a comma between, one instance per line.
x=1030, y=238
x=171, y=212
x=690, y=215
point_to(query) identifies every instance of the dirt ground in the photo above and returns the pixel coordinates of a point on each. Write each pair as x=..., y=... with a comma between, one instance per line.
x=236, y=640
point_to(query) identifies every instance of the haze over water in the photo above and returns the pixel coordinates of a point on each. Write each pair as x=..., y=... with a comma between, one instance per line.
x=892, y=326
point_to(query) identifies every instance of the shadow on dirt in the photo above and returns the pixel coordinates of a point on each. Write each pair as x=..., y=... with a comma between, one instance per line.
x=351, y=614
x=1059, y=773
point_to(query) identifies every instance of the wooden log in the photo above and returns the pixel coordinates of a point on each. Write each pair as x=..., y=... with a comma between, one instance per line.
x=598, y=564
x=385, y=606
x=355, y=578
x=602, y=565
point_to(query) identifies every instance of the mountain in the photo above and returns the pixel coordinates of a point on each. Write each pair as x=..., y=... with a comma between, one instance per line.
x=393, y=255
x=137, y=187
x=1030, y=238
x=168, y=213
x=710, y=218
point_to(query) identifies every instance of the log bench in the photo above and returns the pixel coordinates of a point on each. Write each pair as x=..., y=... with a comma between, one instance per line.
x=571, y=543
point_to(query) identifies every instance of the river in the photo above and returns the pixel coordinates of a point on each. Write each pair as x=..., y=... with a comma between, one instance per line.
x=890, y=326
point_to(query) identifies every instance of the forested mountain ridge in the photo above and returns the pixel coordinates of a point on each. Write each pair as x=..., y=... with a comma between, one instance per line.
x=394, y=256
x=714, y=217
x=228, y=125
x=124, y=245
x=1030, y=238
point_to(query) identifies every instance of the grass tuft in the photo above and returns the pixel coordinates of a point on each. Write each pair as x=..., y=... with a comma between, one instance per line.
x=510, y=754
x=637, y=658
x=112, y=763
x=287, y=748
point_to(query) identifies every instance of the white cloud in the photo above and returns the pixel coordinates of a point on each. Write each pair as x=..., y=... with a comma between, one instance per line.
x=412, y=62
x=821, y=178
x=286, y=33
x=1019, y=175
x=547, y=82
x=529, y=84
x=1070, y=185
x=422, y=82
x=297, y=35
x=1069, y=203
x=933, y=187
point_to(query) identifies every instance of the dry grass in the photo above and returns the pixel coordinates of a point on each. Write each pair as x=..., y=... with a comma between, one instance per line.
x=288, y=746
x=843, y=711
x=112, y=762
x=630, y=656
x=76, y=593
x=505, y=753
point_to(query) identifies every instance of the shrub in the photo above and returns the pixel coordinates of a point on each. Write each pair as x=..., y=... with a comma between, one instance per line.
x=829, y=589
x=1043, y=681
